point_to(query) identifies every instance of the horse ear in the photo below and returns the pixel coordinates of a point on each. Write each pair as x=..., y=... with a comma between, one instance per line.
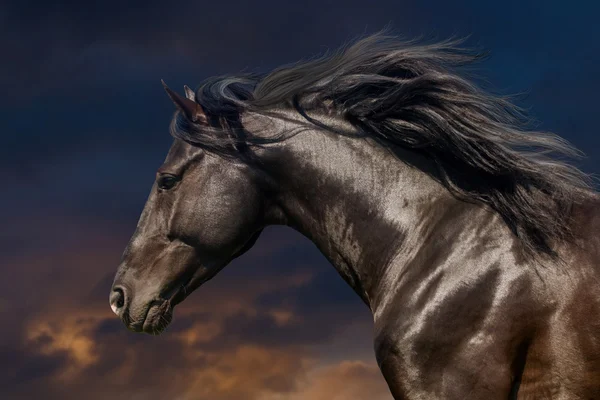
x=192, y=110
x=189, y=93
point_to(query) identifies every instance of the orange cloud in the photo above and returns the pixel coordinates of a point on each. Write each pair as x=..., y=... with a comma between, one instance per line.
x=68, y=336
x=230, y=340
x=247, y=372
x=348, y=380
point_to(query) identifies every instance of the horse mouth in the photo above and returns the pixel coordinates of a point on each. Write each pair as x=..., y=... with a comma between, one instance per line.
x=157, y=318
x=160, y=312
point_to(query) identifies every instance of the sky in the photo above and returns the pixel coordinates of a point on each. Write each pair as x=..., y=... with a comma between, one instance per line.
x=84, y=126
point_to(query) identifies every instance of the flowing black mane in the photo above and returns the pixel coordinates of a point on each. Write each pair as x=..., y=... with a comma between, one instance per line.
x=413, y=96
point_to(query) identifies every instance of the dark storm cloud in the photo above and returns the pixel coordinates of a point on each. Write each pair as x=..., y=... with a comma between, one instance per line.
x=83, y=127
x=66, y=40
x=90, y=70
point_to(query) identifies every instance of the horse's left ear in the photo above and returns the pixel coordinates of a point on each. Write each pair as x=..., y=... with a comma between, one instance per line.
x=192, y=110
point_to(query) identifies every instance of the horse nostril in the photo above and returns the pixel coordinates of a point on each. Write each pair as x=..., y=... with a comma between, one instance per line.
x=117, y=300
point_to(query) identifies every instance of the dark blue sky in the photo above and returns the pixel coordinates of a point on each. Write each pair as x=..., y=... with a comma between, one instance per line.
x=84, y=124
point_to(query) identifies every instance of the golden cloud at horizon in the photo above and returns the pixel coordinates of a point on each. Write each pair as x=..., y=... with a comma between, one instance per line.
x=72, y=346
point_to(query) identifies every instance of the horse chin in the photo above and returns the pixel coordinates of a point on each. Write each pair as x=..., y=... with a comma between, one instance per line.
x=160, y=314
x=157, y=319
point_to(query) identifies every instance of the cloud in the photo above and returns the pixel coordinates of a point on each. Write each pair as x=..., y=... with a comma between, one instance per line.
x=93, y=354
x=84, y=125
x=347, y=380
x=80, y=355
x=250, y=332
x=247, y=372
x=67, y=336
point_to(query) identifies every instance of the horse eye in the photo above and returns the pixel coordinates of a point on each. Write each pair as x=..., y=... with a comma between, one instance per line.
x=166, y=182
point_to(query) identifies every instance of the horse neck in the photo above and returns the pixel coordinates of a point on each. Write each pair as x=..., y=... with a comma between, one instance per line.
x=354, y=199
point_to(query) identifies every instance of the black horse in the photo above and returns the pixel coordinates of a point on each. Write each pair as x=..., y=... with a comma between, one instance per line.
x=475, y=247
